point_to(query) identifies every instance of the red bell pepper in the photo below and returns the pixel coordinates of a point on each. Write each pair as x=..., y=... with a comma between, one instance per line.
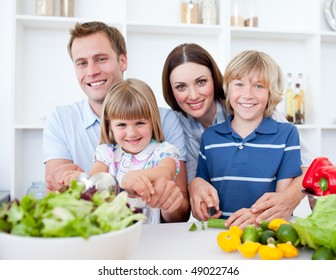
x=312, y=176
x=325, y=180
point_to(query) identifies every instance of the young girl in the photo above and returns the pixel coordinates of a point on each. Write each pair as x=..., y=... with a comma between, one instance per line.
x=251, y=153
x=132, y=146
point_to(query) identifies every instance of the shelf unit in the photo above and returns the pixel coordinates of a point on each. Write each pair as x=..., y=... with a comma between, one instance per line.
x=296, y=36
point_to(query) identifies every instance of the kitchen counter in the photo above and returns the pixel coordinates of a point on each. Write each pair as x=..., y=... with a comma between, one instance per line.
x=174, y=241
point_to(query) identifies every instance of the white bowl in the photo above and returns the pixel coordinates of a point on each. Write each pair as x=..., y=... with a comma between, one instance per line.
x=115, y=245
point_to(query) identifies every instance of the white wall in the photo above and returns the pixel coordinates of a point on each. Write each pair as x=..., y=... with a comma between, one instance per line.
x=6, y=92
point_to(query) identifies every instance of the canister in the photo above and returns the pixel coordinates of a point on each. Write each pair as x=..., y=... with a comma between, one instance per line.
x=67, y=8
x=209, y=12
x=45, y=7
x=189, y=11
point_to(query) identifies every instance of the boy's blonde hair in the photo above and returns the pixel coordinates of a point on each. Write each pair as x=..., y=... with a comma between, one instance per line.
x=129, y=100
x=249, y=63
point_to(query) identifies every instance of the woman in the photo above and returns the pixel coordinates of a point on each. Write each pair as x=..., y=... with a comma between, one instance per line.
x=193, y=87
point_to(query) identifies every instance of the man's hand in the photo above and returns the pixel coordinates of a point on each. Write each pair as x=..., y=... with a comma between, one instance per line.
x=70, y=175
x=137, y=184
x=54, y=181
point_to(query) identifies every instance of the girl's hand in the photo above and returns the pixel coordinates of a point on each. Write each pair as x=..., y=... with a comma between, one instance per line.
x=136, y=184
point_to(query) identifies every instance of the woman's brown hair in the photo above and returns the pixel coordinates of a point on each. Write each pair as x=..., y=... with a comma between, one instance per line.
x=190, y=53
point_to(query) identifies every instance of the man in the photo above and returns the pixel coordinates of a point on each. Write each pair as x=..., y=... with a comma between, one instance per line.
x=71, y=133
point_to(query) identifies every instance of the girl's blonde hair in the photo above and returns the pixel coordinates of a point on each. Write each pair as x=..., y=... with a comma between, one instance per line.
x=249, y=63
x=129, y=100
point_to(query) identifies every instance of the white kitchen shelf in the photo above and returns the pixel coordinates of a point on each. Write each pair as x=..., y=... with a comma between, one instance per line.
x=29, y=126
x=175, y=29
x=328, y=36
x=258, y=33
x=329, y=127
x=294, y=32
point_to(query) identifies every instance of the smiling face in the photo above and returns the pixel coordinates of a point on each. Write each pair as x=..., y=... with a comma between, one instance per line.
x=97, y=66
x=248, y=98
x=132, y=135
x=193, y=89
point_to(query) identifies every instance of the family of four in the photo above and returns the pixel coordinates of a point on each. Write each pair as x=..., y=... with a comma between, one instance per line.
x=248, y=164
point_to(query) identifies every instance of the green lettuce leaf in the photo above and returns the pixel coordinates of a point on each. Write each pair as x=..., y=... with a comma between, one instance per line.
x=75, y=212
x=319, y=228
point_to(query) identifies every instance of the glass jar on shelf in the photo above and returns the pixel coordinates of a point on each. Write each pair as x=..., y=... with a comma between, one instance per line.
x=237, y=18
x=251, y=14
x=189, y=11
x=67, y=8
x=209, y=12
x=45, y=7
x=37, y=189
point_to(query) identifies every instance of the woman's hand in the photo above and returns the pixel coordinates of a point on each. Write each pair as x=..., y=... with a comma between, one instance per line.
x=241, y=218
x=274, y=205
x=203, y=195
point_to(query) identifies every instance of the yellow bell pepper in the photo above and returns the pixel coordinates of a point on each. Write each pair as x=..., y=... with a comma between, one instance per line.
x=249, y=249
x=228, y=241
x=270, y=252
x=276, y=223
x=288, y=249
x=236, y=230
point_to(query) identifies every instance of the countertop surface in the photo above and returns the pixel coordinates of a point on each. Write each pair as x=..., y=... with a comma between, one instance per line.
x=174, y=241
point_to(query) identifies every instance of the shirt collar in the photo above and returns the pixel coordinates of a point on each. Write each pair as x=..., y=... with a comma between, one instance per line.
x=89, y=117
x=267, y=126
x=219, y=118
x=119, y=153
x=220, y=113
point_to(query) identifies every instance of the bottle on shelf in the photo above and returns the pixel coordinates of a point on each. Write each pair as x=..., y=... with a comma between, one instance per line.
x=289, y=98
x=298, y=103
